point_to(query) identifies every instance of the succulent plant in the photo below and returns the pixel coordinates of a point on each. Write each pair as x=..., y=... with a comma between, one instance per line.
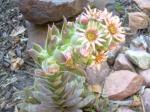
x=62, y=92
x=60, y=81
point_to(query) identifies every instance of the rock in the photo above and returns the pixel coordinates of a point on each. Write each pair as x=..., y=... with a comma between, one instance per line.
x=146, y=100
x=144, y=5
x=124, y=109
x=113, y=54
x=36, y=34
x=139, y=43
x=101, y=4
x=147, y=38
x=146, y=75
x=97, y=76
x=45, y=11
x=122, y=84
x=138, y=20
x=139, y=58
x=122, y=63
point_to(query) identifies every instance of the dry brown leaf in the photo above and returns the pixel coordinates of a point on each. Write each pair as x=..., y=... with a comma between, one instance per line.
x=95, y=88
x=18, y=30
x=16, y=63
x=136, y=101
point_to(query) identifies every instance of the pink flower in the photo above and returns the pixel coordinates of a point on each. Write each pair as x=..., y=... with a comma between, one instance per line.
x=85, y=51
x=84, y=20
x=68, y=55
x=113, y=26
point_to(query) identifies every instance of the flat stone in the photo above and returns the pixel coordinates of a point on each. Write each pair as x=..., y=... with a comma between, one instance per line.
x=97, y=76
x=122, y=84
x=144, y=5
x=122, y=63
x=139, y=58
x=45, y=11
x=138, y=20
x=146, y=100
x=146, y=75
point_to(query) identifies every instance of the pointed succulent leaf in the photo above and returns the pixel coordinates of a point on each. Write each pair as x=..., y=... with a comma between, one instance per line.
x=37, y=47
x=59, y=56
x=48, y=38
x=34, y=54
x=42, y=97
x=86, y=101
x=55, y=30
x=73, y=101
x=28, y=107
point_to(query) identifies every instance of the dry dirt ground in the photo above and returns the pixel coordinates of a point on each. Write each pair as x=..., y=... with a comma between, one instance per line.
x=12, y=48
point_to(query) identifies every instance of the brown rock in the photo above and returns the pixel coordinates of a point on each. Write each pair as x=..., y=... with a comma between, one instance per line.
x=144, y=5
x=124, y=109
x=44, y=11
x=122, y=63
x=122, y=84
x=97, y=76
x=146, y=75
x=138, y=20
x=36, y=34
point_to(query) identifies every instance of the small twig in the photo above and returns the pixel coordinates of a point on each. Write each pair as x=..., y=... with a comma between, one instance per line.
x=31, y=64
x=142, y=103
x=122, y=103
x=140, y=95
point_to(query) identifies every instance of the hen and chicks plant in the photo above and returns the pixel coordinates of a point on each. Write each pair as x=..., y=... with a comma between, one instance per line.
x=60, y=81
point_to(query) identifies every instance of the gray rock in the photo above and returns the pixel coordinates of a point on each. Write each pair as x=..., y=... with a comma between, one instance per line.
x=139, y=58
x=101, y=4
x=139, y=43
x=122, y=63
x=146, y=75
x=113, y=54
x=146, y=100
x=44, y=11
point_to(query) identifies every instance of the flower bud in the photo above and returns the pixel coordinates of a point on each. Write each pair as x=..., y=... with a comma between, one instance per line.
x=84, y=20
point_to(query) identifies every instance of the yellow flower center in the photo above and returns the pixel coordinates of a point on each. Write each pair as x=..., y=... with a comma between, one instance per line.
x=91, y=35
x=112, y=29
x=101, y=57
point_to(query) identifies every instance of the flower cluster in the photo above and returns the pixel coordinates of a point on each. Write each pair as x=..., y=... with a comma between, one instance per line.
x=85, y=42
x=98, y=32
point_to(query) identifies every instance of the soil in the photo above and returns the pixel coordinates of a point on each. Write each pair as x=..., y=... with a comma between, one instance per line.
x=10, y=48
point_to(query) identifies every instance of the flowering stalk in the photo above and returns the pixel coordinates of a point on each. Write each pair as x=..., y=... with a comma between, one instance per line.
x=66, y=54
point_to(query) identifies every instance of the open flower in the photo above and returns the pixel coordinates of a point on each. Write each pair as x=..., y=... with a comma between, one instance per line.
x=93, y=14
x=113, y=25
x=92, y=36
x=100, y=57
